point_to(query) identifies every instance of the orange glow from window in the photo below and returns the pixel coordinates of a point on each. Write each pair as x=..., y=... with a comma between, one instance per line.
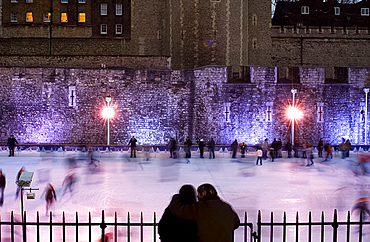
x=29, y=17
x=82, y=17
x=63, y=17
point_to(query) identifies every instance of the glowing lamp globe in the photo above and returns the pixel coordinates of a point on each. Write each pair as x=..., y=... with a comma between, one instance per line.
x=294, y=113
x=108, y=112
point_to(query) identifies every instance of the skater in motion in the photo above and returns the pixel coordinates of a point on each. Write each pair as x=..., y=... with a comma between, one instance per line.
x=17, y=180
x=68, y=182
x=361, y=206
x=50, y=196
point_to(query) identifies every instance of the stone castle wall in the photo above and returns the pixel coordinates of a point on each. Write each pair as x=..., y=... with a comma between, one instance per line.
x=156, y=104
x=320, y=47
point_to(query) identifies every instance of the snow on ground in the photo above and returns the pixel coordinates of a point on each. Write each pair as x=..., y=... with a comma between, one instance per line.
x=120, y=184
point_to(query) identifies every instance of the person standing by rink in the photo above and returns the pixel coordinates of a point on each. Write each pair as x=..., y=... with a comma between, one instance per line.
x=187, y=147
x=329, y=151
x=320, y=147
x=265, y=148
x=279, y=146
x=50, y=196
x=201, y=148
x=211, y=146
x=259, y=156
x=2, y=187
x=243, y=146
x=172, y=146
x=288, y=147
x=234, y=148
x=132, y=144
x=12, y=142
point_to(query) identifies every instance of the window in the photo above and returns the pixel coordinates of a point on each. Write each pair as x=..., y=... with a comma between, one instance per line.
x=72, y=96
x=320, y=112
x=13, y=18
x=14, y=1
x=336, y=10
x=64, y=17
x=29, y=17
x=305, y=10
x=46, y=17
x=103, y=29
x=82, y=17
x=118, y=28
x=64, y=1
x=81, y=1
x=364, y=11
x=118, y=9
x=29, y=1
x=103, y=9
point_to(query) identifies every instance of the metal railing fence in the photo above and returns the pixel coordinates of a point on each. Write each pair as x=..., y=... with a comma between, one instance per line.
x=248, y=233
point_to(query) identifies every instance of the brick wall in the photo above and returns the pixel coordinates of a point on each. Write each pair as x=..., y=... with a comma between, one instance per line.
x=156, y=104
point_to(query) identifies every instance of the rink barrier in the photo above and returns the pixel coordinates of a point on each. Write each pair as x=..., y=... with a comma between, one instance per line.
x=248, y=229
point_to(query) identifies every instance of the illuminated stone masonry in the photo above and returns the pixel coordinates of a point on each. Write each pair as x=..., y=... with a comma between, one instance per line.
x=60, y=105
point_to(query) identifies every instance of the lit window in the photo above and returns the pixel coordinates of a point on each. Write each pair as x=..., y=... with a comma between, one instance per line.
x=46, y=17
x=29, y=1
x=81, y=1
x=364, y=11
x=305, y=10
x=82, y=17
x=118, y=28
x=13, y=18
x=64, y=1
x=63, y=17
x=103, y=9
x=14, y=1
x=119, y=9
x=336, y=10
x=103, y=29
x=29, y=17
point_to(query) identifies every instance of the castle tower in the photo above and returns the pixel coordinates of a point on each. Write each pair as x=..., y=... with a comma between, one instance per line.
x=219, y=32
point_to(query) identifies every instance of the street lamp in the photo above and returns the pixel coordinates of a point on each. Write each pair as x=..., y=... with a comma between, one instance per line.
x=366, y=90
x=108, y=113
x=291, y=113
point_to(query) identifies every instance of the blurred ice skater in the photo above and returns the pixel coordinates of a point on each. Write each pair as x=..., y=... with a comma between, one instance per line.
x=2, y=187
x=50, y=196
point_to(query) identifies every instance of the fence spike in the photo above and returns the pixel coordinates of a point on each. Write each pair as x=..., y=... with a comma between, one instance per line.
x=38, y=226
x=297, y=227
x=115, y=226
x=348, y=225
x=322, y=226
x=309, y=225
x=335, y=226
x=24, y=226
x=284, y=227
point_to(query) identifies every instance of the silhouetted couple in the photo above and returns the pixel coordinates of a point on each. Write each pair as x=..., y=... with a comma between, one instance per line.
x=209, y=219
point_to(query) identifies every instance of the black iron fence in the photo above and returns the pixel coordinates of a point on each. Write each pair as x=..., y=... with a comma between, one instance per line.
x=322, y=230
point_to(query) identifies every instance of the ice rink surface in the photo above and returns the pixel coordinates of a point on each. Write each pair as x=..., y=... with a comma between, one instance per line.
x=146, y=184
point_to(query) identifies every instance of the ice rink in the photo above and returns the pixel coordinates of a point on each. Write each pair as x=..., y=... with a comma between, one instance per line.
x=146, y=184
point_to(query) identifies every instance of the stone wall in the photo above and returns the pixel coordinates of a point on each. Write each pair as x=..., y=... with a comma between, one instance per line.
x=156, y=104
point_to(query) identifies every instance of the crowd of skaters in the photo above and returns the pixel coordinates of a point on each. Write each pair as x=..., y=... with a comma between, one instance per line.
x=188, y=215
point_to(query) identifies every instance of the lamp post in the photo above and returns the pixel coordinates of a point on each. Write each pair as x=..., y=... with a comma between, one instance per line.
x=293, y=91
x=108, y=114
x=366, y=90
